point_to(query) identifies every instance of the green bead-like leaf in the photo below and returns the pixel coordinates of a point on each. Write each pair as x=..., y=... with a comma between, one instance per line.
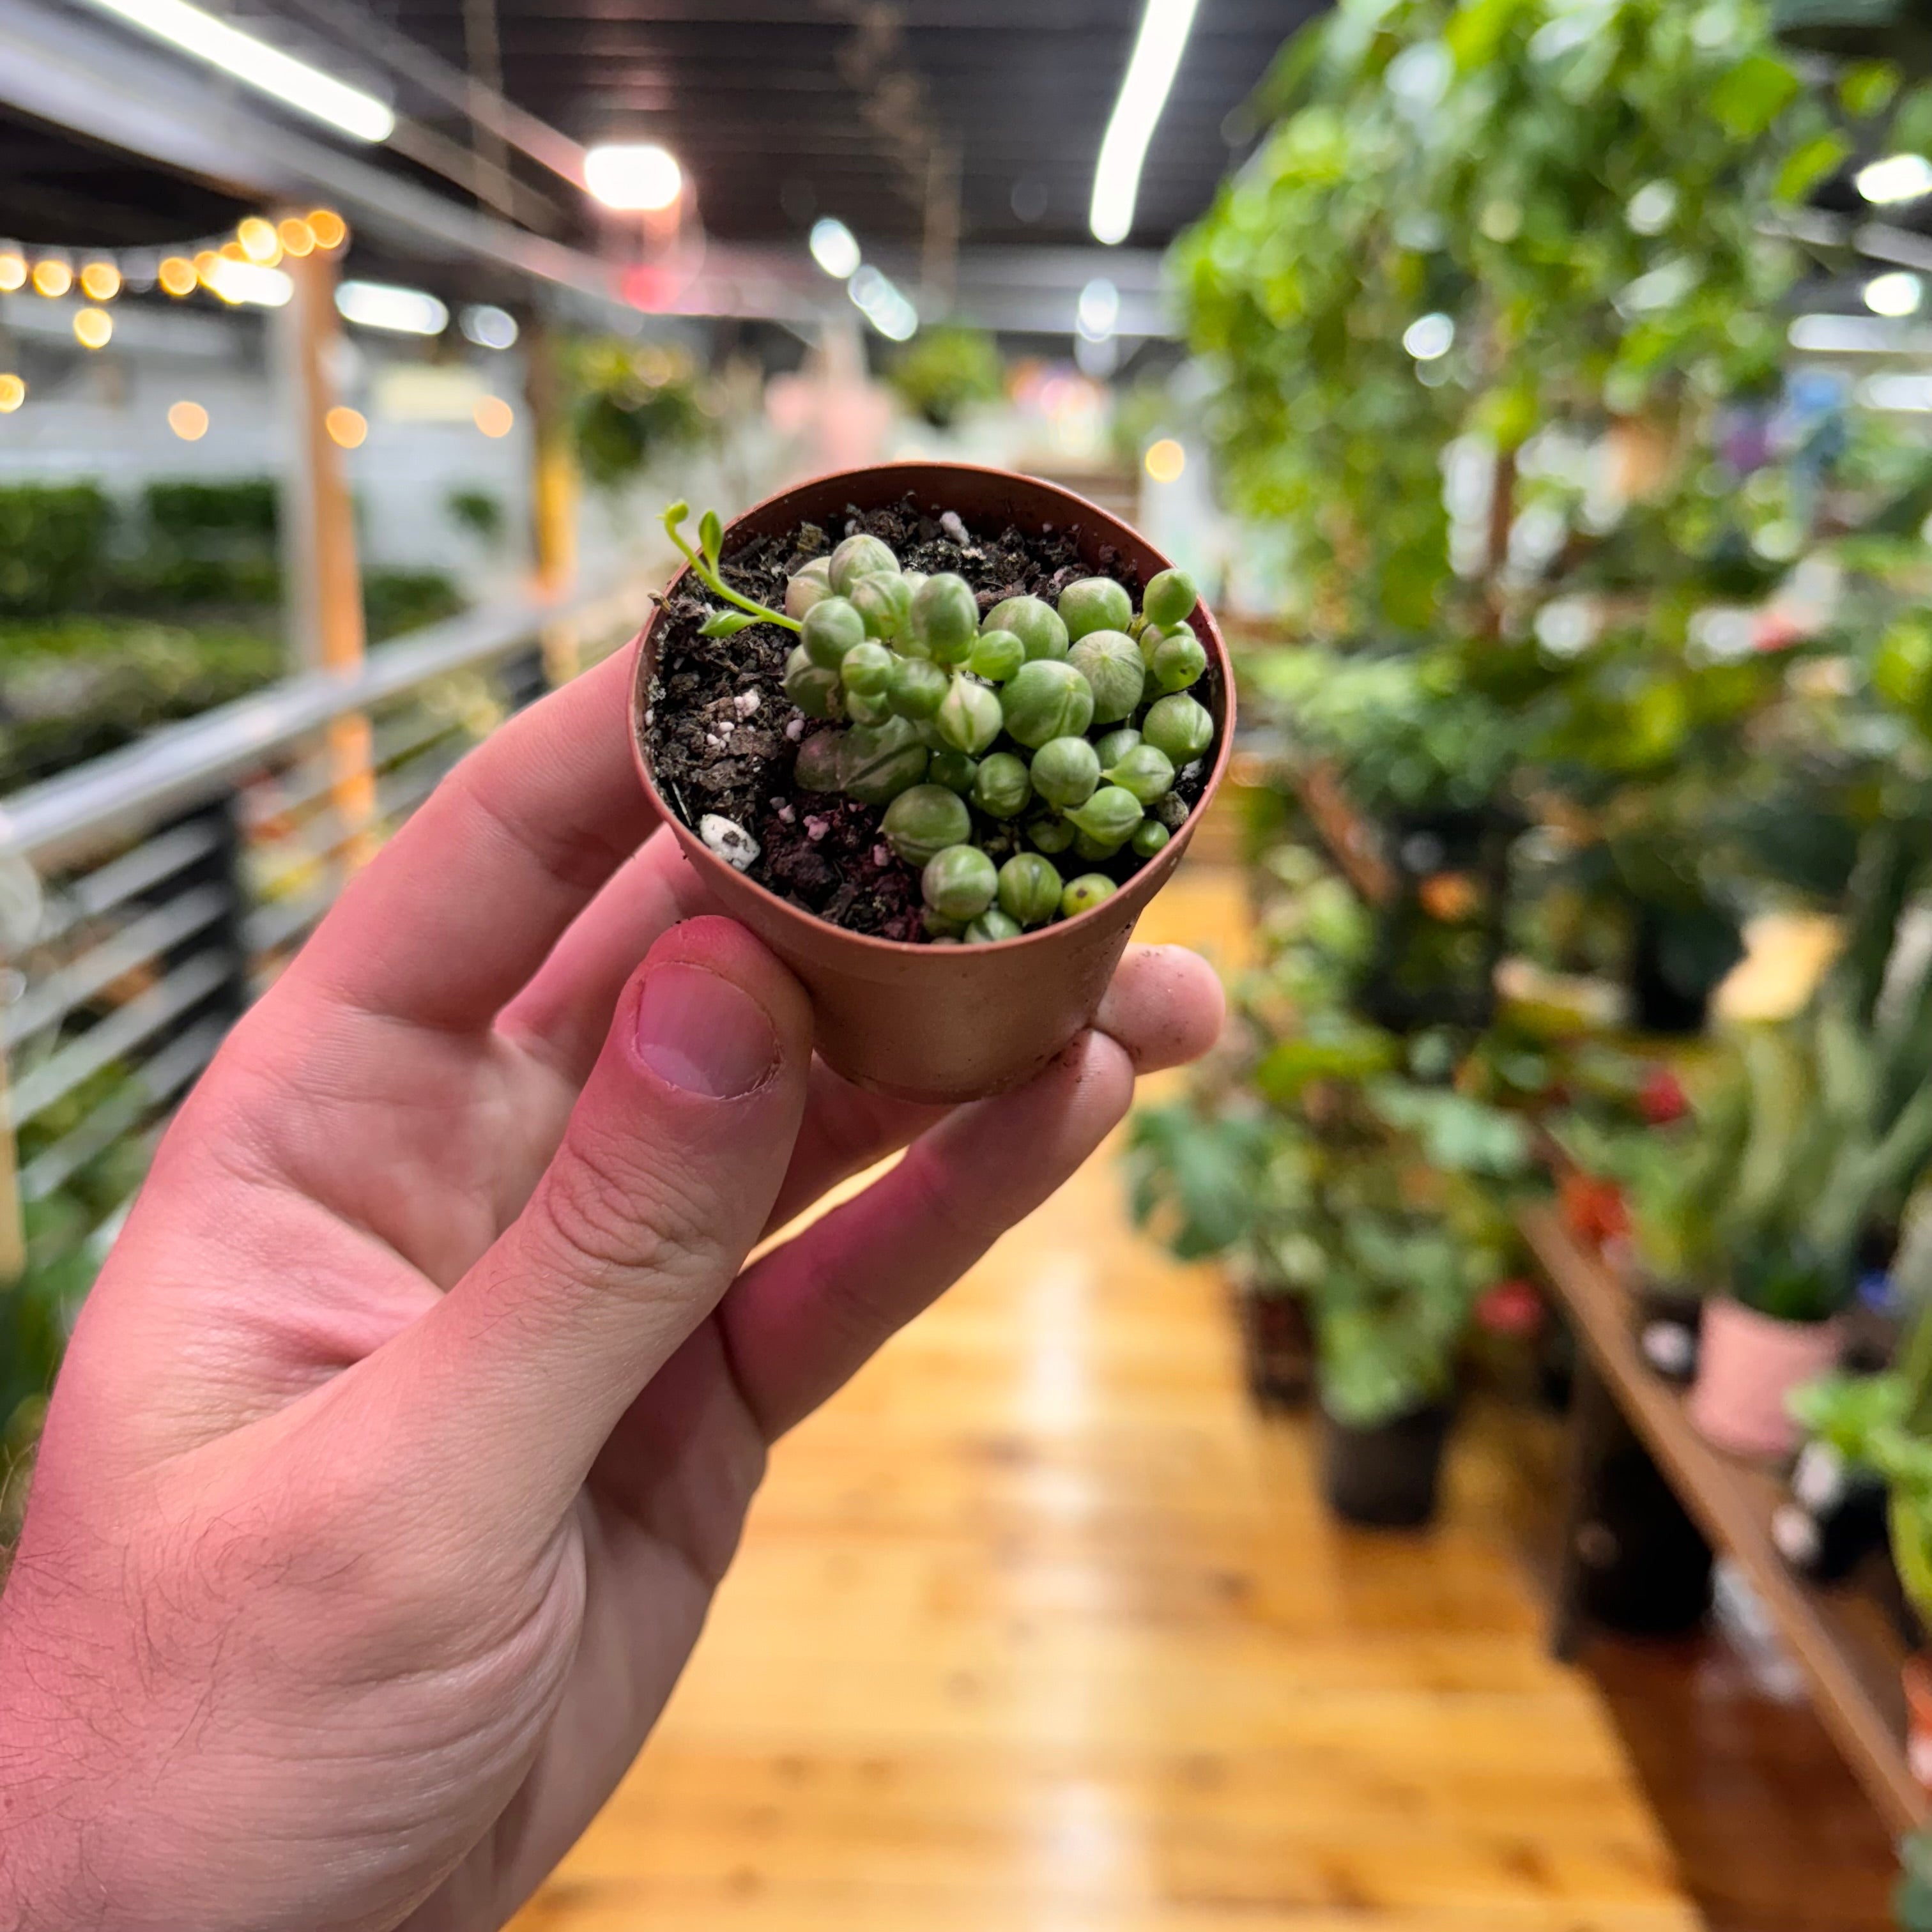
x=829, y=629
x=997, y=655
x=1029, y=889
x=919, y=688
x=856, y=557
x=1169, y=598
x=813, y=688
x=883, y=601
x=1110, y=661
x=867, y=707
x=1178, y=661
x=1115, y=746
x=1094, y=604
x=945, y=619
x=1109, y=816
x=1066, y=771
x=1144, y=770
x=1051, y=834
x=991, y=925
x=1083, y=894
x=820, y=763
x=958, y=882
x=867, y=667
x=1150, y=836
x=969, y=719
x=808, y=586
x=882, y=760
x=1033, y=621
x=1045, y=699
x=924, y=820
x=1002, y=786
x=954, y=770
x=1179, y=725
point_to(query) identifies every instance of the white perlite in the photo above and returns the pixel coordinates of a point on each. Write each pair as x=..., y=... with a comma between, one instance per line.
x=729, y=840
x=745, y=703
x=950, y=523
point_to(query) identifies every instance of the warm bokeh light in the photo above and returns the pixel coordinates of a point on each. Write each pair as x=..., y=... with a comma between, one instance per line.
x=177, y=275
x=92, y=328
x=100, y=281
x=13, y=394
x=207, y=265
x=232, y=251
x=260, y=242
x=348, y=427
x=1165, y=459
x=328, y=227
x=189, y=421
x=51, y=277
x=494, y=417
x=13, y=271
x=296, y=237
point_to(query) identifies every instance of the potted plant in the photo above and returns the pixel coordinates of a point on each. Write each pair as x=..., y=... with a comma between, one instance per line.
x=1838, y=1109
x=937, y=733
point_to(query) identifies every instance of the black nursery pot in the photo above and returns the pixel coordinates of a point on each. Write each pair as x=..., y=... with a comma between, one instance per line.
x=1387, y=1476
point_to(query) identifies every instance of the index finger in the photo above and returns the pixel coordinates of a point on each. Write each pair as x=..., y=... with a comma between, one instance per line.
x=462, y=906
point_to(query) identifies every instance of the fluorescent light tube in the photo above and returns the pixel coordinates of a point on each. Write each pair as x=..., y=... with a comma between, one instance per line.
x=383, y=305
x=267, y=69
x=1116, y=176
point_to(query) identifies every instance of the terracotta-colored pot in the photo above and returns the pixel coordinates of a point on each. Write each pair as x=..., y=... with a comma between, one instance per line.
x=1747, y=1363
x=948, y=1023
x=1916, y=1671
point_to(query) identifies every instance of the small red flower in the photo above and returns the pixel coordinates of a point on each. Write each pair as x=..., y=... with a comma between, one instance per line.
x=1662, y=1099
x=1513, y=1308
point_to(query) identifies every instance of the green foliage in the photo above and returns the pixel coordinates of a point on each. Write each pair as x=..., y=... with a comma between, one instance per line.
x=944, y=370
x=53, y=546
x=477, y=511
x=394, y=601
x=633, y=403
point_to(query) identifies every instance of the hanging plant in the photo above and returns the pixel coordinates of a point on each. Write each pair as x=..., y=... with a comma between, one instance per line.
x=633, y=403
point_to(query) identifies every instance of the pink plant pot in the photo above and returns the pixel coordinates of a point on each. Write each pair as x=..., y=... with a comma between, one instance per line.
x=948, y=1023
x=1747, y=1363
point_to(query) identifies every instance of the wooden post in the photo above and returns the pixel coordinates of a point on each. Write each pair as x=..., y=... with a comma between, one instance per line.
x=13, y=1226
x=554, y=494
x=322, y=598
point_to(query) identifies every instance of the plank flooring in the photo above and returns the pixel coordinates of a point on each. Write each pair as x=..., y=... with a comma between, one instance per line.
x=1038, y=1628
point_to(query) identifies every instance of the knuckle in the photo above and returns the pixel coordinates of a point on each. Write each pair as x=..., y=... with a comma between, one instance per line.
x=616, y=1216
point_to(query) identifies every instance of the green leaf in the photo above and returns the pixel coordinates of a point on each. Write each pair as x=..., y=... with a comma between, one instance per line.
x=1748, y=99
x=1867, y=89
x=726, y=623
x=711, y=536
x=1808, y=164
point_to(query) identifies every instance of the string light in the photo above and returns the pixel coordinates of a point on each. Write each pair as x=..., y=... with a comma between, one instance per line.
x=13, y=394
x=260, y=242
x=494, y=417
x=12, y=270
x=1165, y=461
x=348, y=427
x=93, y=328
x=178, y=276
x=100, y=281
x=51, y=277
x=296, y=237
x=189, y=421
x=328, y=227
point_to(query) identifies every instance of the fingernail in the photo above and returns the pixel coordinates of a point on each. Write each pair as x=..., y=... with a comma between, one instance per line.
x=702, y=1033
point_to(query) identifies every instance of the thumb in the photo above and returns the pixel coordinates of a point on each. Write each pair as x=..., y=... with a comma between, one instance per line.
x=673, y=1158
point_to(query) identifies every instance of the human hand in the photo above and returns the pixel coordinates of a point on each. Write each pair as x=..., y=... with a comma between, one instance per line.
x=413, y=1419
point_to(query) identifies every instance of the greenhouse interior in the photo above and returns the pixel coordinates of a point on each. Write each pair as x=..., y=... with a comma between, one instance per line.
x=647, y=652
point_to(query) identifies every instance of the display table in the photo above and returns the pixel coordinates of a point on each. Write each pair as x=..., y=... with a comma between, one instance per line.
x=1841, y=1638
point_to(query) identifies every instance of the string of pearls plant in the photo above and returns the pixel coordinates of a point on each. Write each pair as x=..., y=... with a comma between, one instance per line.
x=1051, y=733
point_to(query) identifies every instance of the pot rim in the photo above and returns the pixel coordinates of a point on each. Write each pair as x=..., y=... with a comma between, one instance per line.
x=1081, y=511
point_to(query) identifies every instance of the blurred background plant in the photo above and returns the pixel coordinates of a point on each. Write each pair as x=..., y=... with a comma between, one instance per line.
x=944, y=371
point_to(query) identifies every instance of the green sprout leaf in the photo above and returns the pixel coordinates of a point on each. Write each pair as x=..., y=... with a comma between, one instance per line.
x=710, y=537
x=726, y=623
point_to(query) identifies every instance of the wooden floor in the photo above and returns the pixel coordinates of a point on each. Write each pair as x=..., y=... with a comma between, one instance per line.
x=1038, y=1628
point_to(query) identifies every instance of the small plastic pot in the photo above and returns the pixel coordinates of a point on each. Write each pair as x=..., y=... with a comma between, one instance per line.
x=947, y=1023
x=1747, y=1363
x=1387, y=1476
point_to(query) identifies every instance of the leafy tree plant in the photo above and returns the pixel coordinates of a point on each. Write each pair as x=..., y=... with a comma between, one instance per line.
x=1070, y=722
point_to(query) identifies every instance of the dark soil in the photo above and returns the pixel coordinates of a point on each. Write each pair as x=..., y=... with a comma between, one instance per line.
x=721, y=737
